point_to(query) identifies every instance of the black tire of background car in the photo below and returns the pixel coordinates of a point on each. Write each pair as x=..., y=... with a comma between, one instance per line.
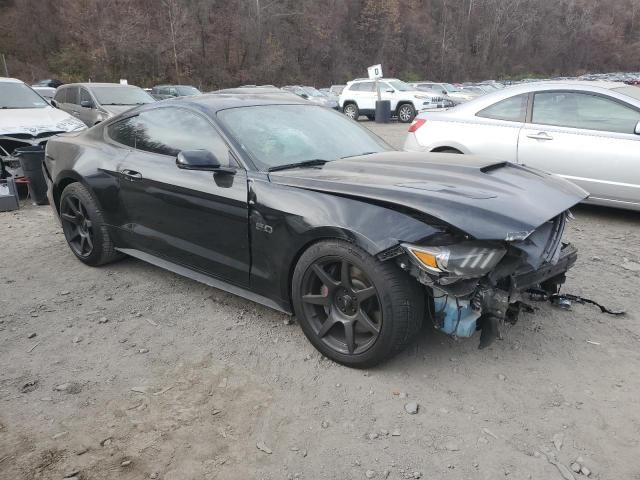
x=450, y=150
x=351, y=110
x=79, y=211
x=400, y=300
x=406, y=113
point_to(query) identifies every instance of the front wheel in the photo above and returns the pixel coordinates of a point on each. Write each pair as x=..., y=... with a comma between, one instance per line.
x=406, y=113
x=353, y=308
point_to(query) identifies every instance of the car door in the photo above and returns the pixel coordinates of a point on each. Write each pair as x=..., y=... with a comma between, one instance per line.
x=587, y=138
x=194, y=218
x=387, y=92
x=86, y=109
x=72, y=101
x=366, y=97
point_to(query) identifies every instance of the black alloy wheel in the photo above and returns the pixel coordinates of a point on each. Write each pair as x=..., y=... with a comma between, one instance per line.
x=342, y=305
x=77, y=226
x=355, y=309
x=84, y=226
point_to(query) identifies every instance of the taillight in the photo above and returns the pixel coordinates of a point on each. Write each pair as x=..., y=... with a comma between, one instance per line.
x=416, y=124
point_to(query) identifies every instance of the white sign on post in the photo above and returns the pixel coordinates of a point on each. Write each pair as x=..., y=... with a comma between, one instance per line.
x=375, y=71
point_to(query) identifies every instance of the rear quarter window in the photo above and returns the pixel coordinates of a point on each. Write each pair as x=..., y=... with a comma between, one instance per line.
x=513, y=109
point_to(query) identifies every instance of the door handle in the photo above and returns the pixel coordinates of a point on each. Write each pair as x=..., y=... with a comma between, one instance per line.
x=540, y=136
x=131, y=174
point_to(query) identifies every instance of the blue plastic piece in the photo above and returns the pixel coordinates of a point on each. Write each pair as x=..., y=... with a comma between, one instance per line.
x=455, y=318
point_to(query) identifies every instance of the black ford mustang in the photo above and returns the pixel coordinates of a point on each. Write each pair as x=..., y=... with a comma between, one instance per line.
x=301, y=209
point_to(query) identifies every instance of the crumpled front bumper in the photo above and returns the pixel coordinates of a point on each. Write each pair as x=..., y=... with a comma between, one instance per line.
x=521, y=281
x=491, y=305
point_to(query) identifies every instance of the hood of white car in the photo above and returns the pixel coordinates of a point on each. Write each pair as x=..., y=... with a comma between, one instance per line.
x=34, y=121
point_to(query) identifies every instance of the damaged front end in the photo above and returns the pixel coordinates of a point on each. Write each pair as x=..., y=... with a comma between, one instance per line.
x=9, y=142
x=477, y=285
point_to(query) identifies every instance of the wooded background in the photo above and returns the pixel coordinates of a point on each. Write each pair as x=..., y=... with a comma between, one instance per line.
x=221, y=43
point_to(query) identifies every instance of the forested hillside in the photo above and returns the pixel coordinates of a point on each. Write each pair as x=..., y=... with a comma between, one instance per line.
x=218, y=43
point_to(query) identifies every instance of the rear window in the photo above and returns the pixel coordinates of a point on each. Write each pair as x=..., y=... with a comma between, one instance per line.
x=511, y=109
x=363, y=87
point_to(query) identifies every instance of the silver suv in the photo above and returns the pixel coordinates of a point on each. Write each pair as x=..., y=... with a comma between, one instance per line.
x=359, y=98
x=95, y=102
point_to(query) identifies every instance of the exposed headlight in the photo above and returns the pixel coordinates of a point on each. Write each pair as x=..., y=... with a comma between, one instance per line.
x=468, y=259
x=70, y=124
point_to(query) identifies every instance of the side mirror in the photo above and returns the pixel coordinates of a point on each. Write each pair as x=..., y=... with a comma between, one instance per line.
x=86, y=104
x=304, y=95
x=200, y=160
x=390, y=90
x=637, y=129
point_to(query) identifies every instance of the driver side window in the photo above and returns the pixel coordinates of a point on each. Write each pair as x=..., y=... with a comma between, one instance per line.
x=168, y=131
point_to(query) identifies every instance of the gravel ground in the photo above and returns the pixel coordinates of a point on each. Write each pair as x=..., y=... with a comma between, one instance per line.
x=130, y=372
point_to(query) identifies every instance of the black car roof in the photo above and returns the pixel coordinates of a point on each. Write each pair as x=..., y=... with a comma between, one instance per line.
x=214, y=102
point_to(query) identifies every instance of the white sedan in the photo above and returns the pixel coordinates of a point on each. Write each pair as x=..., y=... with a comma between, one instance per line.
x=586, y=132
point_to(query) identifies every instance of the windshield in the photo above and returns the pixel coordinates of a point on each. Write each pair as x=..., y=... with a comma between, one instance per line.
x=188, y=91
x=312, y=92
x=450, y=88
x=630, y=91
x=121, y=95
x=275, y=135
x=18, y=95
x=401, y=86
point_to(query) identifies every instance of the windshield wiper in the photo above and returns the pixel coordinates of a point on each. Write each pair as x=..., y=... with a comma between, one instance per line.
x=358, y=155
x=306, y=163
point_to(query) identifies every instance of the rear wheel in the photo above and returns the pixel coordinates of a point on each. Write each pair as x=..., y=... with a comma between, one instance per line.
x=354, y=309
x=406, y=113
x=351, y=110
x=84, y=227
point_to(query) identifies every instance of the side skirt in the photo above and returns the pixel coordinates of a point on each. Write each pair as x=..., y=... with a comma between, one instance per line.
x=202, y=278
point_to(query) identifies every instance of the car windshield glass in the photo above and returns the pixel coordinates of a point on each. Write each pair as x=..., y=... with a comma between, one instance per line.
x=312, y=92
x=450, y=88
x=121, y=95
x=275, y=135
x=188, y=91
x=400, y=86
x=629, y=90
x=18, y=95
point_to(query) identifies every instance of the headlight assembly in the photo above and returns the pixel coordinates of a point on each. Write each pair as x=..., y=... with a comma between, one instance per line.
x=464, y=260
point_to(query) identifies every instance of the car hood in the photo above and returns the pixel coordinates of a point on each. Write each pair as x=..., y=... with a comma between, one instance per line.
x=34, y=121
x=114, y=110
x=485, y=199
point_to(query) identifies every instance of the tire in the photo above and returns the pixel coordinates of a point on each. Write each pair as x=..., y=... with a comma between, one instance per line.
x=351, y=110
x=84, y=227
x=449, y=150
x=380, y=305
x=406, y=113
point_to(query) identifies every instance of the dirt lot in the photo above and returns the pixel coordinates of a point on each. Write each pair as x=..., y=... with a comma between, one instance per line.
x=131, y=372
